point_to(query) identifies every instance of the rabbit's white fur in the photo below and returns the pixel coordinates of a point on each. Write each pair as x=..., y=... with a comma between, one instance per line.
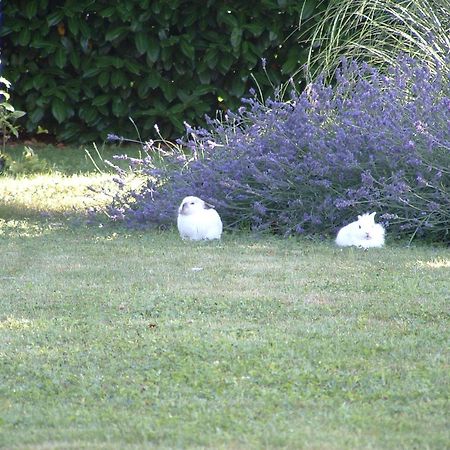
x=363, y=233
x=198, y=220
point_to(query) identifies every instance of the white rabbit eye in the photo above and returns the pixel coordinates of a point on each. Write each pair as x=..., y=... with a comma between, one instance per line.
x=359, y=226
x=192, y=203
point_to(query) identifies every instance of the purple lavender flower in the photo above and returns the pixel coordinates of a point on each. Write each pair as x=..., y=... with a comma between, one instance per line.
x=114, y=138
x=311, y=163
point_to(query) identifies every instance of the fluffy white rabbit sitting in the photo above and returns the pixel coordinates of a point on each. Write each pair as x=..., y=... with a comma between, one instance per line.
x=198, y=220
x=363, y=233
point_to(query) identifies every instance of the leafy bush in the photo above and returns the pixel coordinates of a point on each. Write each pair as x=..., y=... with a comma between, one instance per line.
x=82, y=68
x=373, y=142
x=8, y=114
x=8, y=127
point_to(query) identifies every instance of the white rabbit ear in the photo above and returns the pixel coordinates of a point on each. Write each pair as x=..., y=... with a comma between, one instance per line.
x=359, y=217
x=372, y=215
x=208, y=206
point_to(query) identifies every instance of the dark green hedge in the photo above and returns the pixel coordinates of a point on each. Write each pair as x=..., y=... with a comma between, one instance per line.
x=80, y=68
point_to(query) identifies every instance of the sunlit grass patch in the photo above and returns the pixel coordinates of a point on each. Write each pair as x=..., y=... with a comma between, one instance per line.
x=14, y=323
x=65, y=187
x=52, y=192
x=55, y=193
x=438, y=263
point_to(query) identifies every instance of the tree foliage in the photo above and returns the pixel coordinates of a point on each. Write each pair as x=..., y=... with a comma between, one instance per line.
x=81, y=68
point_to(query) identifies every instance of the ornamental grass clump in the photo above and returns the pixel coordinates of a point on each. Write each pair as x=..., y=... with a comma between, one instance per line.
x=307, y=165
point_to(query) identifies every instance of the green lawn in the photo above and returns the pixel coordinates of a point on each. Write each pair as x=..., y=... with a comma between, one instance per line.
x=116, y=339
x=71, y=160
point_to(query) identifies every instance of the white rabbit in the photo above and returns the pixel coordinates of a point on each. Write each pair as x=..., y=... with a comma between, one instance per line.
x=198, y=220
x=363, y=233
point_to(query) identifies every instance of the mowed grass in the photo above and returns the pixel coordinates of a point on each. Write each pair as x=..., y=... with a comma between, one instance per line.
x=116, y=339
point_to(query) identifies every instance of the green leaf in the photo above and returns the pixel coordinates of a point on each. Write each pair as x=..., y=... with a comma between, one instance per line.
x=101, y=100
x=227, y=18
x=308, y=8
x=67, y=44
x=16, y=115
x=237, y=87
x=183, y=95
x=153, y=79
x=178, y=108
x=55, y=18
x=88, y=113
x=103, y=79
x=156, y=7
x=273, y=36
x=74, y=57
x=118, y=79
x=249, y=56
x=143, y=89
x=70, y=131
x=74, y=24
x=202, y=90
x=85, y=29
x=108, y=11
x=133, y=66
x=92, y=72
x=167, y=57
x=117, y=62
x=187, y=49
x=119, y=108
x=24, y=37
x=292, y=62
x=141, y=41
x=153, y=49
x=115, y=33
x=204, y=77
x=169, y=90
x=31, y=9
x=211, y=57
x=7, y=106
x=225, y=62
x=36, y=115
x=39, y=80
x=176, y=121
x=236, y=37
x=5, y=30
x=255, y=28
x=60, y=57
x=42, y=101
x=59, y=110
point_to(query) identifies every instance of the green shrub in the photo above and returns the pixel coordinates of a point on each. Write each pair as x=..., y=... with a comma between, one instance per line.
x=8, y=117
x=80, y=69
x=8, y=114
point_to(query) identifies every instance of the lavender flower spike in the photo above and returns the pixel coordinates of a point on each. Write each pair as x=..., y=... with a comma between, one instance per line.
x=114, y=137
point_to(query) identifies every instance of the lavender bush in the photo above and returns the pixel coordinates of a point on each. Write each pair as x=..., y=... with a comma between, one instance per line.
x=372, y=142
